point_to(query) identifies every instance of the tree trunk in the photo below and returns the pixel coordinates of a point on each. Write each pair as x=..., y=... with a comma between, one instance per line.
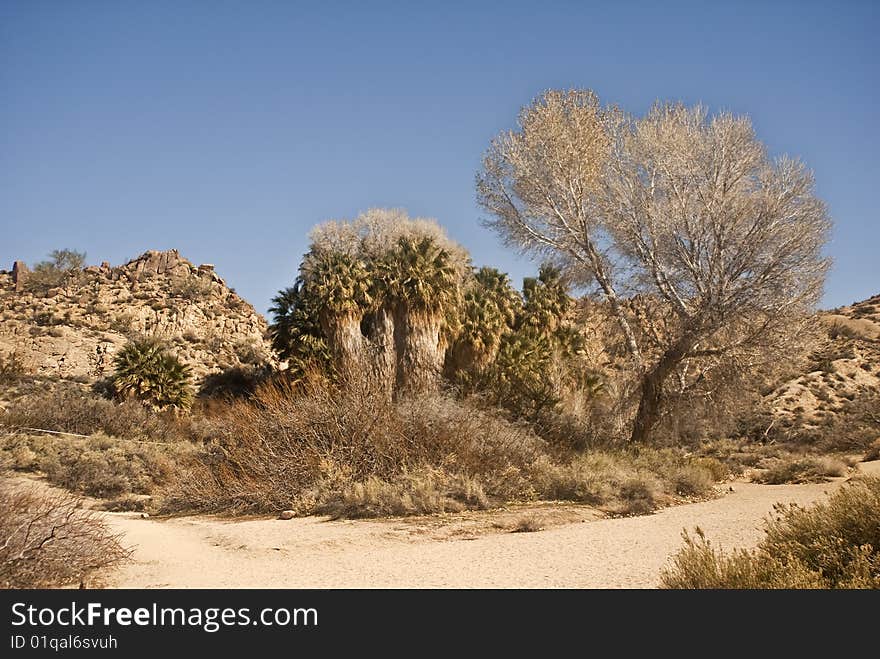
x=419, y=351
x=347, y=344
x=651, y=401
x=381, y=349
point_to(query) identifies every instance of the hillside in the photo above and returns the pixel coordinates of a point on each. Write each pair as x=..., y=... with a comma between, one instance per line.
x=843, y=376
x=72, y=330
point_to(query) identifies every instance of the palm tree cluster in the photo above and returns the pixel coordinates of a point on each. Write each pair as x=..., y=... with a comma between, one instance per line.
x=147, y=371
x=376, y=293
x=532, y=353
x=394, y=297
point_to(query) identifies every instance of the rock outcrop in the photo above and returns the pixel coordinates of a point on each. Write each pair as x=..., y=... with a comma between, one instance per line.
x=72, y=330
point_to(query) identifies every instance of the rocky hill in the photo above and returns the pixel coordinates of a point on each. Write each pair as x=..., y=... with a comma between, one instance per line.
x=73, y=329
x=843, y=372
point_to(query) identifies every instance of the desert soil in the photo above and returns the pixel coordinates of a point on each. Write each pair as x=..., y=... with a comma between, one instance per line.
x=577, y=549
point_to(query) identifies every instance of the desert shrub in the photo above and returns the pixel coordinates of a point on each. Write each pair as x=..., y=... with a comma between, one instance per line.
x=146, y=371
x=833, y=544
x=699, y=564
x=235, y=382
x=98, y=466
x=806, y=469
x=622, y=481
x=192, y=288
x=847, y=329
x=424, y=492
x=73, y=409
x=527, y=524
x=12, y=368
x=248, y=352
x=61, y=266
x=48, y=541
x=291, y=447
x=345, y=449
x=126, y=503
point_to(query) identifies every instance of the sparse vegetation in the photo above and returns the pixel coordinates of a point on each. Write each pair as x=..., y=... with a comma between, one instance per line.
x=192, y=287
x=71, y=409
x=803, y=470
x=98, y=466
x=833, y=544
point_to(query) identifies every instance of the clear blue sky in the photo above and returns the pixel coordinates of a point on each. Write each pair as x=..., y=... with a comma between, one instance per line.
x=227, y=129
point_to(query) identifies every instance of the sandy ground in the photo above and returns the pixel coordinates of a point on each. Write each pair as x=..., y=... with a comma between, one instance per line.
x=461, y=552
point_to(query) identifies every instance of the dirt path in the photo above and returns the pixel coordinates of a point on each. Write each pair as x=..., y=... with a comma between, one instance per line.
x=208, y=552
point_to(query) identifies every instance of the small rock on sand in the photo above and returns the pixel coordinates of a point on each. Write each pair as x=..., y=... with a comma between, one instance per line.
x=287, y=514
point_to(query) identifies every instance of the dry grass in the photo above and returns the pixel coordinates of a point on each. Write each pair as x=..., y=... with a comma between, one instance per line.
x=98, y=466
x=347, y=451
x=834, y=544
x=626, y=482
x=72, y=408
x=528, y=524
x=48, y=541
x=427, y=491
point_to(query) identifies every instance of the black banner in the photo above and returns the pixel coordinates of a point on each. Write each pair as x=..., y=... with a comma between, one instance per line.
x=37, y=623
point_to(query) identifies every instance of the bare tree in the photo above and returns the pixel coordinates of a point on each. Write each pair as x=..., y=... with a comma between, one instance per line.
x=685, y=209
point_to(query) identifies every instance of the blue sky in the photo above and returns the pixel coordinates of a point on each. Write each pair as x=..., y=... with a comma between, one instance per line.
x=228, y=129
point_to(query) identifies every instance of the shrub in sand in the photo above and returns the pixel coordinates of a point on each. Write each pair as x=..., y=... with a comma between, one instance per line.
x=48, y=541
x=832, y=544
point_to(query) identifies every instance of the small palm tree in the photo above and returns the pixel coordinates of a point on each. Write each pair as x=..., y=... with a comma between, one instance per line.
x=145, y=370
x=545, y=300
x=297, y=335
x=520, y=378
x=488, y=312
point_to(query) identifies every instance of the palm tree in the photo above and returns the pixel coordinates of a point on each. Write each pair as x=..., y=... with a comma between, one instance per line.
x=545, y=300
x=421, y=284
x=296, y=332
x=145, y=370
x=341, y=285
x=380, y=293
x=489, y=310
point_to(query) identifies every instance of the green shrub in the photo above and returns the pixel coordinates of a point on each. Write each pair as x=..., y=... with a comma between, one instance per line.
x=833, y=544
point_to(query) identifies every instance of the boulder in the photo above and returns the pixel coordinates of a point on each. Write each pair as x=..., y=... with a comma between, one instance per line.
x=19, y=275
